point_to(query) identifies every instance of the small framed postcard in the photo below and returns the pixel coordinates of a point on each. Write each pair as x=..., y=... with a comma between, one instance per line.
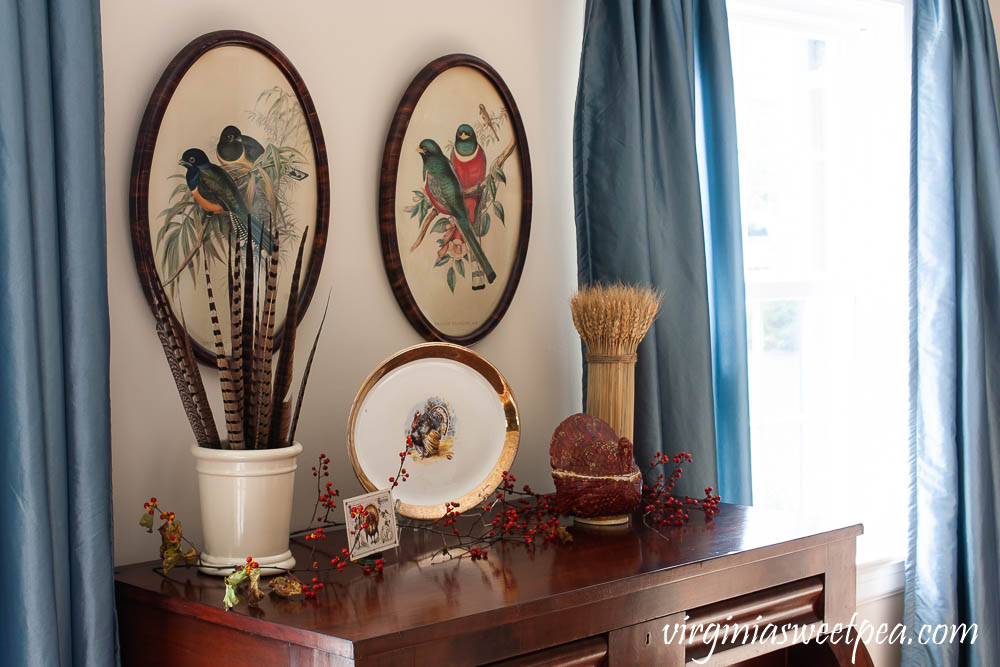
x=371, y=523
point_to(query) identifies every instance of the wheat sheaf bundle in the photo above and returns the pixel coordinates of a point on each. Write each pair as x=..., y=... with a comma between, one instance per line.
x=612, y=321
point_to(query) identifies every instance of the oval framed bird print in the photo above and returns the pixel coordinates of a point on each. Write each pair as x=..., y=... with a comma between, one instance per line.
x=230, y=154
x=455, y=200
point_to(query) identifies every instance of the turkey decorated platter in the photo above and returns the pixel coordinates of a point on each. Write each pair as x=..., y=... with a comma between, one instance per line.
x=455, y=200
x=439, y=419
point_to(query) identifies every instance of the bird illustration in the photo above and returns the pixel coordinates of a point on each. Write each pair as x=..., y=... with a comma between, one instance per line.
x=234, y=147
x=445, y=193
x=216, y=192
x=469, y=162
x=489, y=121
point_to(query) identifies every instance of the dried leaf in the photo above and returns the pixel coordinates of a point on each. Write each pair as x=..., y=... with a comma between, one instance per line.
x=232, y=582
x=255, y=595
x=285, y=586
x=170, y=558
x=190, y=556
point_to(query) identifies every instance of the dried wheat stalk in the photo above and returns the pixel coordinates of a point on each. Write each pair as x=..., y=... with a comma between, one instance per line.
x=612, y=321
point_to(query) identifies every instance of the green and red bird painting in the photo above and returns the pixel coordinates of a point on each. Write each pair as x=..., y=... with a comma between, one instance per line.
x=455, y=200
x=458, y=199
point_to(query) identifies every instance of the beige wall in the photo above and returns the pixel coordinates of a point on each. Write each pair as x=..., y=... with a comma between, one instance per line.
x=995, y=11
x=356, y=58
x=886, y=610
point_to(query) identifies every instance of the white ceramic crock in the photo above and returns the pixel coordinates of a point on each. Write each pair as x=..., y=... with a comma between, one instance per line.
x=246, y=506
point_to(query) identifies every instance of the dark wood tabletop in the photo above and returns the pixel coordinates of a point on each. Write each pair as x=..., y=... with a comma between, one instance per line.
x=424, y=597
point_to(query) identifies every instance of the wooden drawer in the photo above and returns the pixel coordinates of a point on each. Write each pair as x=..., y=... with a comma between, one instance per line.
x=590, y=652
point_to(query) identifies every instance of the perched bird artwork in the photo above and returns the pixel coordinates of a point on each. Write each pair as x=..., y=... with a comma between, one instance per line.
x=488, y=121
x=469, y=162
x=234, y=147
x=442, y=187
x=216, y=192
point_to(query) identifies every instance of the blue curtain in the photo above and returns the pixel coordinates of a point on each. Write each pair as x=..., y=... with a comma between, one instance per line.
x=657, y=203
x=57, y=598
x=951, y=570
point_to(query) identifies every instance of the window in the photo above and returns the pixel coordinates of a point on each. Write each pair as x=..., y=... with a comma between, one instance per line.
x=822, y=106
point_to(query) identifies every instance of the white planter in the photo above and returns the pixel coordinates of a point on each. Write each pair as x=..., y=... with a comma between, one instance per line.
x=246, y=506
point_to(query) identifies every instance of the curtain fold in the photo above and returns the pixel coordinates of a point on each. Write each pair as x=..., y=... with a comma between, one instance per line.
x=951, y=577
x=655, y=86
x=57, y=606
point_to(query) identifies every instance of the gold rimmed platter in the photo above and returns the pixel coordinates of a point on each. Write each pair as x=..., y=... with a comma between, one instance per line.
x=451, y=412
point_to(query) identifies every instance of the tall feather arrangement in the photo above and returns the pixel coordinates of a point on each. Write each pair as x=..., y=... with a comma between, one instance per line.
x=184, y=370
x=258, y=411
x=612, y=320
x=283, y=376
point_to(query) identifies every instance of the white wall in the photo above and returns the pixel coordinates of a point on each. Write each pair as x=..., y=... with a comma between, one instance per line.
x=886, y=610
x=356, y=58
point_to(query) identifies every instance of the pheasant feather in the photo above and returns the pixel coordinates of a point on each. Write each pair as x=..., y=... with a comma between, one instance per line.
x=249, y=436
x=257, y=377
x=267, y=327
x=236, y=327
x=234, y=423
x=283, y=376
x=197, y=386
x=186, y=375
x=175, y=361
x=305, y=377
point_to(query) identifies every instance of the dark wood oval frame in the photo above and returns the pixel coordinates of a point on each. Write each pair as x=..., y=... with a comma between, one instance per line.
x=387, y=198
x=146, y=141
